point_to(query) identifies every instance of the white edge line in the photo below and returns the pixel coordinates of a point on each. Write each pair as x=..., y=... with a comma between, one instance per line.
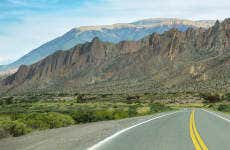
x=94, y=147
x=216, y=115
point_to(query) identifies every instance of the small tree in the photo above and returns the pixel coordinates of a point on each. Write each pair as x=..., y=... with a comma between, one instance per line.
x=80, y=98
x=211, y=97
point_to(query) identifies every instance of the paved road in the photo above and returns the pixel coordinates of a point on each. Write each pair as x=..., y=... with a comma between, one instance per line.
x=185, y=130
x=182, y=130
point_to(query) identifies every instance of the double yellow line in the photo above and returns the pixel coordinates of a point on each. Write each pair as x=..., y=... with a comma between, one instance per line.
x=194, y=134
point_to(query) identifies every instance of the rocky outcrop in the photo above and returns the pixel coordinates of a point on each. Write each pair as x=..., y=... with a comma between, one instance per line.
x=104, y=61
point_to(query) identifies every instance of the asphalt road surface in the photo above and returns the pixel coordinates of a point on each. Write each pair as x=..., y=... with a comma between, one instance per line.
x=187, y=129
x=184, y=130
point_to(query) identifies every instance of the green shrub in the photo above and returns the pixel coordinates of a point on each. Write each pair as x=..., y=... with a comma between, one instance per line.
x=57, y=120
x=14, y=128
x=158, y=107
x=83, y=116
x=132, y=111
x=211, y=97
x=119, y=114
x=211, y=106
x=47, y=120
x=143, y=110
x=226, y=97
x=80, y=98
x=103, y=115
x=7, y=100
x=223, y=107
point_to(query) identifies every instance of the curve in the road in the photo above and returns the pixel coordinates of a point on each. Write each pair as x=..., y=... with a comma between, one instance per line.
x=94, y=147
x=200, y=134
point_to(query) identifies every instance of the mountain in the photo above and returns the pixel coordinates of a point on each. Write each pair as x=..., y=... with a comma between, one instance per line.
x=194, y=60
x=109, y=33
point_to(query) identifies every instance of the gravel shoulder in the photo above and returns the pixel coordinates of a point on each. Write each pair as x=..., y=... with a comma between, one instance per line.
x=77, y=137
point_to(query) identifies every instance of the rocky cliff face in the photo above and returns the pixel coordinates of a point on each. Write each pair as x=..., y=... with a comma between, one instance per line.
x=173, y=60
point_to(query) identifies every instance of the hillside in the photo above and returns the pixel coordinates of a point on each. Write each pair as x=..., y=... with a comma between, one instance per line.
x=194, y=60
x=109, y=33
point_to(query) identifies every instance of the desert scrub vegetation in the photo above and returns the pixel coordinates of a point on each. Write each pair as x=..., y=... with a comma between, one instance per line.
x=14, y=128
x=215, y=97
x=20, y=124
x=91, y=112
x=46, y=120
x=217, y=101
x=19, y=117
x=223, y=107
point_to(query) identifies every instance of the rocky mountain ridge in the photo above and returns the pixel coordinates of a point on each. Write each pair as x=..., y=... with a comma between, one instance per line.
x=109, y=33
x=149, y=23
x=197, y=59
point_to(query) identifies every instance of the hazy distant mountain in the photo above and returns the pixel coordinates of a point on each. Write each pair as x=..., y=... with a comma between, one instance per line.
x=194, y=60
x=110, y=33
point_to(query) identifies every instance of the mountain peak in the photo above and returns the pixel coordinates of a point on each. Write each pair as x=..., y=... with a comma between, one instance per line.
x=148, y=23
x=217, y=23
x=95, y=39
x=174, y=21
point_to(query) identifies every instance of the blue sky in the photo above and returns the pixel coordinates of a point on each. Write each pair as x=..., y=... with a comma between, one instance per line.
x=26, y=24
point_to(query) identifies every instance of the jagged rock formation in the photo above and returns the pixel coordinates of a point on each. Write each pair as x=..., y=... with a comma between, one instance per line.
x=197, y=59
x=111, y=33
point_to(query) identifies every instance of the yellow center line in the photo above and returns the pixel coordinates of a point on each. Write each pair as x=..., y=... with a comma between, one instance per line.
x=194, y=134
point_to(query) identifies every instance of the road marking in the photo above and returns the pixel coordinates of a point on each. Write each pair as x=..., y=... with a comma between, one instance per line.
x=216, y=115
x=203, y=146
x=194, y=134
x=94, y=147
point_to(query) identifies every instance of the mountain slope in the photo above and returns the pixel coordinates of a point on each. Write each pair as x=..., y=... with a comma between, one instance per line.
x=111, y=33
x=195, y=60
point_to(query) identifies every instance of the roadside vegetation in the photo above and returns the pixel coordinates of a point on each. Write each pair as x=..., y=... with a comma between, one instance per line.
x=20, y=115
x=217, y=101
